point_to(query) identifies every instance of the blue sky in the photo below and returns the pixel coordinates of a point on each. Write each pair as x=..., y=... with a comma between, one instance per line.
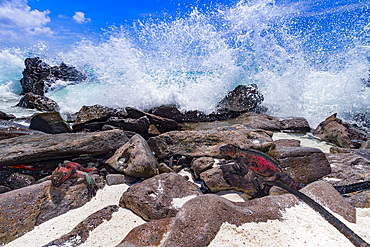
x=61, y=22
x=26, y=21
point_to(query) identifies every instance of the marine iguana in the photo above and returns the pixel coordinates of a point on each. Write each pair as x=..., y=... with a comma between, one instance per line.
x=71, y=170
x=347, y=232
x=263, y=165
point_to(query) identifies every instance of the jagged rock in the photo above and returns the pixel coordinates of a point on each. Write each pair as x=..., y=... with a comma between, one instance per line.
x=155, y=198
x=81, y=232
x=172, y=112
x=161, y=123
x=199, y=220
x=266, y=122
x=95, y=113
x=134, y=159
x=207, y=143
x=10, y=130
x=38, y=76
x=284, y=143
x=242, y=98
x=163, y=168
x=254, y=121
x=340, y=133
x=4, y=189
x=49, y=122
x=303, y=164
x=4, y=116
x=36, y=148
x=227, y=177
x=201, y=164
x=140, y=125
x=114, y=179
x=17, y=180
x=24, y=208
x=149, y=234
x=38, y=102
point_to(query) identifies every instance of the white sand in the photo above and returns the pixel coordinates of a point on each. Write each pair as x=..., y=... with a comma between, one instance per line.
x=301, y=226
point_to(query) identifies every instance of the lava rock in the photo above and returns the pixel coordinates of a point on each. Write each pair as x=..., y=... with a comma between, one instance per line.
x=49, y=122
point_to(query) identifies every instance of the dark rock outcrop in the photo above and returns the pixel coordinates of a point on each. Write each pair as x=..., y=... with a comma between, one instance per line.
x=207, y=143
x=5, y=116
x=303, y=164
x=35, y=148
x=9, y=130
x=242, y=98
x=49, y=122
x=340, y=133
x=135, y=159
x=18, y=180
x=25, y=208
x=38, y=76
x=38, y=102
x=154, y=198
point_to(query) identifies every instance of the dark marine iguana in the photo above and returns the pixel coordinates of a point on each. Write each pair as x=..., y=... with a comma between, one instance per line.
x=265, y=166
x=71, y=170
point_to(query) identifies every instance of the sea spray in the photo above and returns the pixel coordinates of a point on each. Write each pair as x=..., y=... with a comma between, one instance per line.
x=308, y=59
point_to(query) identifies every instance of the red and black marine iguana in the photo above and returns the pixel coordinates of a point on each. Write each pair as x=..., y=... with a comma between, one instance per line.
x=262, y=165
x=71, y=170
x=265, y=166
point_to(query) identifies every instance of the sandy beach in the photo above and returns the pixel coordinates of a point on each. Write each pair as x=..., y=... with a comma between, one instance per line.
x=301, y=226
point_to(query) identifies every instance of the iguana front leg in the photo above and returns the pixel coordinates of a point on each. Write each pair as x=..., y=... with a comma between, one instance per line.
x=92, y=188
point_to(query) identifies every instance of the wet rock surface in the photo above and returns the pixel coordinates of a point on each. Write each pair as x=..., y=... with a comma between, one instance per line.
x=38, y=102
x=49, y=122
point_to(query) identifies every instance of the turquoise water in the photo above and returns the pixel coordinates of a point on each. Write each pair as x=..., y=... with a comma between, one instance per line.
x=308, y=58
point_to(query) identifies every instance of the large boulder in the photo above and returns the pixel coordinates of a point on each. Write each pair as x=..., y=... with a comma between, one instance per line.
x=161, y=123
x=93, y=114
x=9, y=130
x=25, y=208
x=38, y=102
x=242, y=98
x=49, y=122
x=340, y=133
x=158, y=197
x=38, y=76
x=207, y=143
x=135, y=159
x=303, y=164
x=35, y=148
x=199, y=220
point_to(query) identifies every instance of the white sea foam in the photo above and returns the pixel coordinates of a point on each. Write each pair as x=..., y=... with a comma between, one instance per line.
x=305, y=62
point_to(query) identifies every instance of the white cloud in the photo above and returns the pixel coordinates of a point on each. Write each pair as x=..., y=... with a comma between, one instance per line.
x=18, y=19
x=79, y=17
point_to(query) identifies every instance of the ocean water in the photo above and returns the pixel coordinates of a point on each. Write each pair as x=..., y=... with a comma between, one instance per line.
x=309, y=59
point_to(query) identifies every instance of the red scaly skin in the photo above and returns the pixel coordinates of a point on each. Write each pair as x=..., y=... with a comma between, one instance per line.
x=71, y=170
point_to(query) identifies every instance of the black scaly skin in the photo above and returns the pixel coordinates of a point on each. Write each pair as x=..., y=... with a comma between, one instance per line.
x=348, y=233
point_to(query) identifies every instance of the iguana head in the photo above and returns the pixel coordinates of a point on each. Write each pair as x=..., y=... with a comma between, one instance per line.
x=228, y=149
x=57, y=178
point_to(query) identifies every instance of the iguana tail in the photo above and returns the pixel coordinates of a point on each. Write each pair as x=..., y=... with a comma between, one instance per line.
x=348, y=233
x=344, y=189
